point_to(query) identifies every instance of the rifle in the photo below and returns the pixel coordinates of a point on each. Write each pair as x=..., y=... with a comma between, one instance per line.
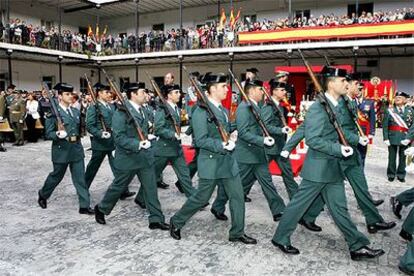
x=324, y=102
x=349, y=107
x=273, y=103
x=225, y=137
x=255, y=114
x=95, y=102
x=164, y=103
x=53, y=107
x=124, y=103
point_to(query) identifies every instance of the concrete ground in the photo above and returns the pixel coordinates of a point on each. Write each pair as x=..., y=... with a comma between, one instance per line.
x=59, y=241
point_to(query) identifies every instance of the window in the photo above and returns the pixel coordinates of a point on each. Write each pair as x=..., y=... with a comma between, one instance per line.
x=158, y=27
x=49, y=80
x=3, y=80
x=47, y=24
x=83, y=84
x=302, y=13
x=366, y=7
x=122, y=82
x=83, y=30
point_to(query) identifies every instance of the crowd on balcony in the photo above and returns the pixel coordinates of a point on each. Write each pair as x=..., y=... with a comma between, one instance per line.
x=214, y=35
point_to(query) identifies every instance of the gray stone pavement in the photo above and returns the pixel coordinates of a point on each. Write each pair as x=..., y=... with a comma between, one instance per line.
x=59, y=241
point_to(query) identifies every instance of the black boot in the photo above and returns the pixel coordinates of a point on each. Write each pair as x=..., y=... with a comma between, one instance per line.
x=366, y=253
x=126, y=194
x=99, y=216
x=42, y=201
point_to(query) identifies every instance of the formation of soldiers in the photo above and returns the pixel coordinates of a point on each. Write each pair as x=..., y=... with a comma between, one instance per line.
x=140, y=140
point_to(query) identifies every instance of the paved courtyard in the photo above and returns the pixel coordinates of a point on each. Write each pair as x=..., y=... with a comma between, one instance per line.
x=59, y=241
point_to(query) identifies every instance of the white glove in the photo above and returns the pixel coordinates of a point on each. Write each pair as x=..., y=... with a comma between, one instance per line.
x=106, y=135
x=177, y=136
x=387, y=142
x=346, y=151
x=286, y=130
x=409, y=151
x=61, y=134
x=370, y=136
x=269, y=141
x=405, y=142
x=363, y=141
x=152, y=137
x=21, y=121
x=290, y=114
x=144, y=144
x=1, y=118
x=285, y=154
x=230, y=145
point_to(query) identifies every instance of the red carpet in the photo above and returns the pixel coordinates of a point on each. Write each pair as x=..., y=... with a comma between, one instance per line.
x=189, y=153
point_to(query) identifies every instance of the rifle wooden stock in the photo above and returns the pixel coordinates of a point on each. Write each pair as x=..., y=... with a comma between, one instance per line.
x=255, y=114
x=164, y=103
x=54, y=109
x=123, y=101
x=95, y=102
x=225, y=137
x=325, y=102
x=278, y=111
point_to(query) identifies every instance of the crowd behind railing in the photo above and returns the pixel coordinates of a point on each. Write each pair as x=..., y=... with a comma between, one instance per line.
x=211, y=35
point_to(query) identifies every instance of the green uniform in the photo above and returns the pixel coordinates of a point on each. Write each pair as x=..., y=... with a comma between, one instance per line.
x=352, y=168
x=17, y=112
x=100, y=147
x=251, y=157
x=322, y=175
x=275, y=125
x=216, y=166
x=66, y=153
x=130, y=161
x=407, y=261
x=395, y=136
x=406, y=197
x=192, y=166
x=168, y=149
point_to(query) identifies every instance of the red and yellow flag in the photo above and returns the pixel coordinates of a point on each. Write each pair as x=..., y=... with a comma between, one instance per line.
x=232, y=19
x=90, y=32
x=223, y=18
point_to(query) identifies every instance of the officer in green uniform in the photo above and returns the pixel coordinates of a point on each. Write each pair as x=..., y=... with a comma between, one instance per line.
x=17, y=112
x=168, y=147
x=67, y=150
x=2, y=118
x=102, y=142
x=216, y=164
x=397, y=120
x=322, y=174
x=251, y=155
x=352, y=168
x=279, y=132
x=132, y=157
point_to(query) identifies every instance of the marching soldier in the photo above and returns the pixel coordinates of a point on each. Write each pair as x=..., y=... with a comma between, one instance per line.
x=132, y=157
x=396, y=123
x=251, y=154
x=67, y=150
x=99, y=116
x=279, y=133
x=168, y=147
x=322, y=175
x=352, y=168
x=216, y=165
x=2, y=118
x=17, y=112
x=366, y=117
x=282, y=76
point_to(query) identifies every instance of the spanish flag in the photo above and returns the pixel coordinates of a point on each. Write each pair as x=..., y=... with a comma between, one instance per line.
x=232, y=19
x=236, y=19
x=223, y=18
x=90, y=32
